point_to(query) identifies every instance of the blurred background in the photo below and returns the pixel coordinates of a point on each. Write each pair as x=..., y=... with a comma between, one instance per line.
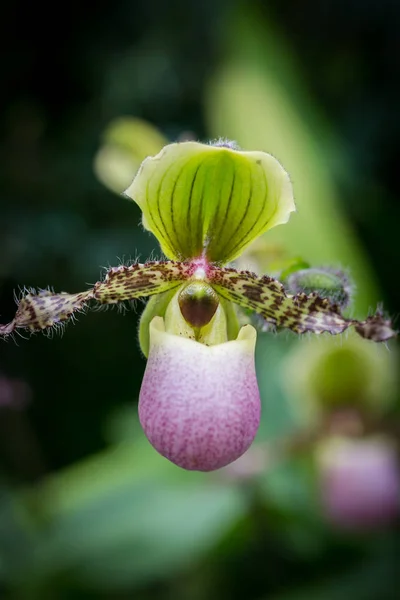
x=87, y=508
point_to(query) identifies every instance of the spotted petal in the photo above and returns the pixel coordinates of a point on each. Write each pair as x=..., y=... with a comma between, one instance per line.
x=300, y=313
x=211, y=201
x=45, y=309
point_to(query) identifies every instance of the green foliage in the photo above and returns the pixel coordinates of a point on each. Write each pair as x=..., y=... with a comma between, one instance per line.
x=111, y=518
x=271, y=111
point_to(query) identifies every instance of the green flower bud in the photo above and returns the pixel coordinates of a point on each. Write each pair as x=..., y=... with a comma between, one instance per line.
x=125, y=144
x=327, y=283
x=327, y=376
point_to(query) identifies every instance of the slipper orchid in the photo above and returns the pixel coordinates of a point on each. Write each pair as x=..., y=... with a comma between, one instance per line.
x=199, y=403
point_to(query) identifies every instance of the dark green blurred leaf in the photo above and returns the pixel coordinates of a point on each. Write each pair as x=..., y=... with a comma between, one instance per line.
x=115, y=522
x=375, y=580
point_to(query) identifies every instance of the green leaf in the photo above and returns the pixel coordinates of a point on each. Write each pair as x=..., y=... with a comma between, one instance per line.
x=121, y=518
x=165, y=531
x=257, y=95
x=373, y=579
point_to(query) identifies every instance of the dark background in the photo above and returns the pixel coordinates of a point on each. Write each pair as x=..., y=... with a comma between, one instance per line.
x=66, y=71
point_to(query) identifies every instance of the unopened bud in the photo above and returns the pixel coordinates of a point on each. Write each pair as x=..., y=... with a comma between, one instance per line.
x=327, y=283
x=359, y=482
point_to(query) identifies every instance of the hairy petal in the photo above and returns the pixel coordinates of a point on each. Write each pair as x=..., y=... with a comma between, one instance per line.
x=45, y=309
x=137, y=281
x=299, y=313
x=213, y=201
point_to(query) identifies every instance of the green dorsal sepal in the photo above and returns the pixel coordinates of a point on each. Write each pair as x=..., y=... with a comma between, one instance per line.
x=198, y=303
x=210, y=200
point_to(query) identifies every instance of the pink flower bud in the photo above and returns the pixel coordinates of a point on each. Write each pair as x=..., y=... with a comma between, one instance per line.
x=360, y=482
x=199, y=405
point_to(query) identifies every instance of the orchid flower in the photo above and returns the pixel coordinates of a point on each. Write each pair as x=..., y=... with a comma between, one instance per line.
x=199, y=403
x=359, y=481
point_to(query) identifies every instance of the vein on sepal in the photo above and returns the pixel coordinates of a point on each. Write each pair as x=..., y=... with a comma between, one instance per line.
x=211, y=201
